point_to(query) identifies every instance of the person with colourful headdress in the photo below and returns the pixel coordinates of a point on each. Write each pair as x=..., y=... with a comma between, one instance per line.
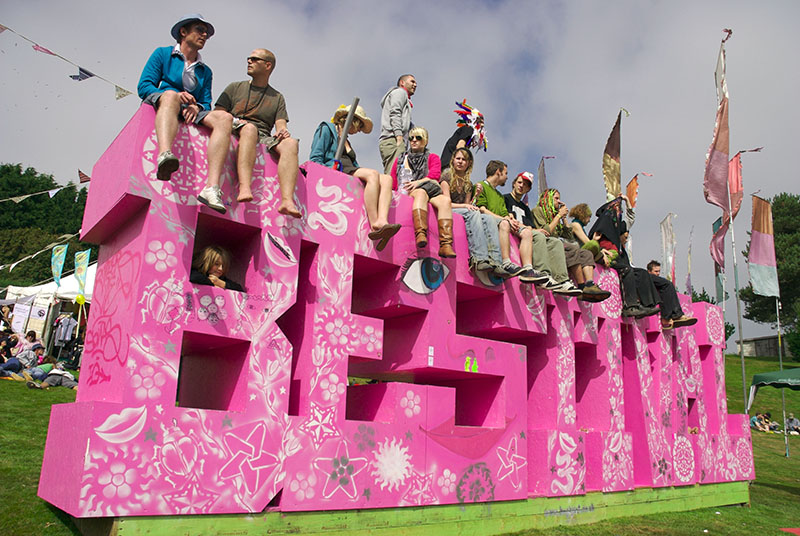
x=549, y=215
x=471, y=132
x=377, y=186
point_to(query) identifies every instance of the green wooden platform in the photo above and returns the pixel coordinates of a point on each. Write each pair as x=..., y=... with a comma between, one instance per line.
x=469, y=519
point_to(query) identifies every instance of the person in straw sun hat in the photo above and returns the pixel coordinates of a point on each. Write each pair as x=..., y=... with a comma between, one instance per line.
x=377, y=186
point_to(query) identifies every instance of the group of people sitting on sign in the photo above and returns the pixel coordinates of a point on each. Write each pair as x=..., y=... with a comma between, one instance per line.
x=555, y=255
x=23, y=359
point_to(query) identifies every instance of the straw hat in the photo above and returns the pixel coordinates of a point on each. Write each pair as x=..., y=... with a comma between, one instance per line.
x=366, y=122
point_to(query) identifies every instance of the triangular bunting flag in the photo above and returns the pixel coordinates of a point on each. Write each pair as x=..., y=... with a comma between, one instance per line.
x=2, y=28
x=40, y=48
x=20, y=198
x=121, y=92
x=83, y=177
x=53, y=192
x=83, y=74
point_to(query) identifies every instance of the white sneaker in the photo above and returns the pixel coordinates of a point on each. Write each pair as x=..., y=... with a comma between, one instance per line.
x=167, y=165
x=211, y=197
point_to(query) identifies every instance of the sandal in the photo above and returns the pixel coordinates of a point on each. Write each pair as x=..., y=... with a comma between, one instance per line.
x=384, y=234
x=666, y=324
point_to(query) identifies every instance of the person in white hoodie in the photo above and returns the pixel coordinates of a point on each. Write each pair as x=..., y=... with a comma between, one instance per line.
x=396, y=120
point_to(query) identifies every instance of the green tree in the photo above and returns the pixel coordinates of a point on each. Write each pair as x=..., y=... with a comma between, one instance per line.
x=32, y=224
x=786, y=226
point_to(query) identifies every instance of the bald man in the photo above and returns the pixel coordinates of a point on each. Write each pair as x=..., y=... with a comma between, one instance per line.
x=257, y=108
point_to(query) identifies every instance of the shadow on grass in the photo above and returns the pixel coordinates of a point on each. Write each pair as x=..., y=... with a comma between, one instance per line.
x=780, y=487
x=65, y=518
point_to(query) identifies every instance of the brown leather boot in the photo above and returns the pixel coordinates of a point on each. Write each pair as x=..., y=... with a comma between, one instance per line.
x=446, y=239
x=420, y=218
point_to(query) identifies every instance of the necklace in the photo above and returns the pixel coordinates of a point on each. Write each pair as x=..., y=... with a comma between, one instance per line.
x=247, y=108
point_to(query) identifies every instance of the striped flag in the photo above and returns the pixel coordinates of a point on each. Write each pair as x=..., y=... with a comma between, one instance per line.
x=611, y=158
x=763, y=266
x=83, y=177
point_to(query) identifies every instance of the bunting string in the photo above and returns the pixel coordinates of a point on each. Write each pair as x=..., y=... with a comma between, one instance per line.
x=20, y=198
x=61, y=240
x=119, y=91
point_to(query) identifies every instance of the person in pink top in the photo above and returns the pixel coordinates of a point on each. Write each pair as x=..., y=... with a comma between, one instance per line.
x=416, y=172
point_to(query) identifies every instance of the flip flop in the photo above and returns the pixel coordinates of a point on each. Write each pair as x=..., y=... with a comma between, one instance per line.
x=666, y=325
x=384, y=234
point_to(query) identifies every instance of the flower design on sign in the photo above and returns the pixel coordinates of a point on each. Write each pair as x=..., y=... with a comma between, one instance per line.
x=332, y=388
x=303, y=487
x=447, y=481
x=161, y=256
x=117, y=480
x=147, y=383
x=683, y=459
x=411, y=404
x=340, y=471
x=714, y=325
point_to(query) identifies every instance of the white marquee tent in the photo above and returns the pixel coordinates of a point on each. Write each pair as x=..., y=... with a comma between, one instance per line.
x=46, y=294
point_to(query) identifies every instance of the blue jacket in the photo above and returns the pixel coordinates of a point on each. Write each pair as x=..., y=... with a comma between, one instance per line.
x=323, y=146
x=164, y=70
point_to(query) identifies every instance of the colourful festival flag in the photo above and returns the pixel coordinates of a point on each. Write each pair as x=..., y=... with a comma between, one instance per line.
x=632, y=190
x=81, y=266
x=611, y=161
x=83, y=74
x=722, y=294
x=83, y=177
x=542, y=176
x=57, y=262
x=689, y=264
x=715, y=180
x=761, y=258
x=668, y=247
x=121, y=92
x=39, y=48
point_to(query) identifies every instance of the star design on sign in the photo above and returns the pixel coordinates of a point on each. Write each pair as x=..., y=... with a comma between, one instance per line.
x=320, y=424
x=191, y=498
x=339, y=472
x=367, y=493
x=252, y=396
x=419, y=492
x=283, y=390
x=159, y=409
x=184, y=239
x=150, y=435
x=227, y=422
x=511, y=463
x=250, y=460
x=522, y=434
x=409, y=435
x=169, y=347
x=266, y=270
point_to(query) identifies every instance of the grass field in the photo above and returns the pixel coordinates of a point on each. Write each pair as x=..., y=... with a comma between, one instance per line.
x=775, y=495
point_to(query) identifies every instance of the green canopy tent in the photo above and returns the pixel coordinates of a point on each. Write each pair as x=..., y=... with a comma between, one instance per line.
x=787, y=378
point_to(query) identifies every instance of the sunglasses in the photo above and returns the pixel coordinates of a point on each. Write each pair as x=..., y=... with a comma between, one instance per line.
x=416, y=138
x=255, y=59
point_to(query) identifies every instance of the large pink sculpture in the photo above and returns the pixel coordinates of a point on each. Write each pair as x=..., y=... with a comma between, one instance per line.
x=196, y=400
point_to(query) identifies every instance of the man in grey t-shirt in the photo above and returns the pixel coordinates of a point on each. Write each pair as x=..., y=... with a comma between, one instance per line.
x=396, y=120
x=257, y=108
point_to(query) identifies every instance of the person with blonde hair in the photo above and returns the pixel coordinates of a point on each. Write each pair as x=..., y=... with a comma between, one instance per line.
x=209, y=267
x=481, y=229
x=416, y=172
x=377, y=186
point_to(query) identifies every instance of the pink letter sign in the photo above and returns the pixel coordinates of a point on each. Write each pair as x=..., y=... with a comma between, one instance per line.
x=346, y=378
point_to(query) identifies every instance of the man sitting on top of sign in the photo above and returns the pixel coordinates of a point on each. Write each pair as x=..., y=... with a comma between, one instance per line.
x=177, y=83
x=257, y=107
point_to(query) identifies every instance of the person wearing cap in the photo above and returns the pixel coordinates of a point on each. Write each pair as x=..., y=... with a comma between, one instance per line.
x=396, y=120
x=177, y=83
x=549, y=216
x=541, y=254
x=257, y=108
x=377, y=186
x=23, y=360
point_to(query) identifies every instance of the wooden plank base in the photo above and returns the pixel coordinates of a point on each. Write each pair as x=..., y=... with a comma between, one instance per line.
x=468, y=519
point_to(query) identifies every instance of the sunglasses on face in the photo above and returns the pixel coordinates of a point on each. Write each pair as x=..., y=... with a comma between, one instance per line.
x=200, y=29
x=255, y=59
x=416, y=138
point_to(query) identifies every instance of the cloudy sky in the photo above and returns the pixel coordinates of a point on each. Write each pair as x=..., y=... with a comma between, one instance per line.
x=549, y=76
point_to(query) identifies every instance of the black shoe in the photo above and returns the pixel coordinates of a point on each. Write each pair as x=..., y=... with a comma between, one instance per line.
x=647, y=311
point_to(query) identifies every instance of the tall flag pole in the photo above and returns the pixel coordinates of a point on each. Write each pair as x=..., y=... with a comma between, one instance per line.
x=764, y=273
x=611, y=160
x=541, y=176
x=668, y=247
x=689, y=264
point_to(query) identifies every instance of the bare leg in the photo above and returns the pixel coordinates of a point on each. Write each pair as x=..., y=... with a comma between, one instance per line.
x=169, y=106
x=245, y=160
x=444, y=209
x=371, y=180
x=588, y=274
x=420, y=198
x=287, y=176
x=576, y=274
x=220, y=123
x=384, y=198
x=504, y=231
x=526, y=246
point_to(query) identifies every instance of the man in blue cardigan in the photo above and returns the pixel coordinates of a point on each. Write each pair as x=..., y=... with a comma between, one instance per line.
x=178, y=84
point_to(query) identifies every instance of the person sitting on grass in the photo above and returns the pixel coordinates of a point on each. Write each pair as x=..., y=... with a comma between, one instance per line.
x=25, y=359
x=209, y=266
x=377, y=186
x=56, y=377
x=792, y=424
x=6, y=344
